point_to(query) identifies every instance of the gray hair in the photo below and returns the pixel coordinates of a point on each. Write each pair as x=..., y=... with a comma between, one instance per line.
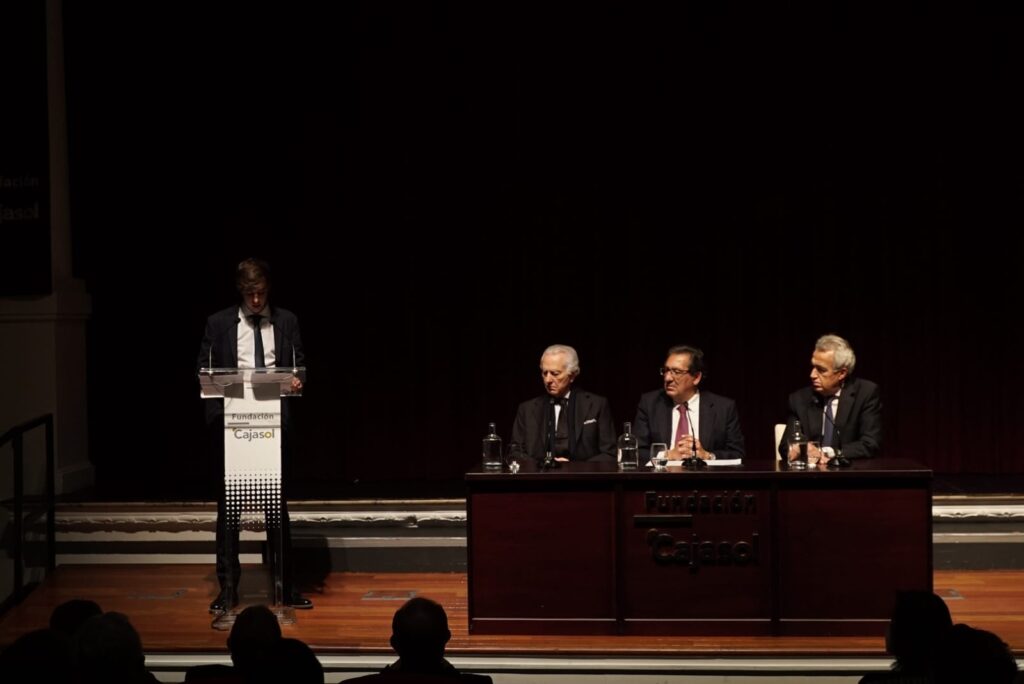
x=844, y=356
x=572, y=360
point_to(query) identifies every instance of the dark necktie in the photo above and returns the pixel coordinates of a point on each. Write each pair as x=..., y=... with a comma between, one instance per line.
x=830, y=424
x=260, y=360
x=683, y=428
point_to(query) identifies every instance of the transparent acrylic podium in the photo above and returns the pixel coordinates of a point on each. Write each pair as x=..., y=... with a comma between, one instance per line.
x=252, y=462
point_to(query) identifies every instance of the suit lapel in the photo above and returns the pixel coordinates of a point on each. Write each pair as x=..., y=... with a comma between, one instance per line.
x=279, y=350
x=707, y=407
x=665, y=406
x=578, y=413
x=232, y=351
x=846, y=400
x=811, y=419
x=540, y=419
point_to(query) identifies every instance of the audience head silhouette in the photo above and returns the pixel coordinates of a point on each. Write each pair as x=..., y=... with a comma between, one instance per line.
x=70, y=615
x=108, y=649
x=253, y=638
x=920, y=622
x=39, y=656
x=292, y=661
x=419, y=633
x=975, y=656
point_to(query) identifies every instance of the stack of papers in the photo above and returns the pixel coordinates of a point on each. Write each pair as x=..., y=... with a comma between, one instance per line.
x=716, y=462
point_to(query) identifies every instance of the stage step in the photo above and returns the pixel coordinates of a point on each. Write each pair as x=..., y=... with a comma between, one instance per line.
x=340, y=536
x=524, y=669
x=977, y=532
x=970, y=532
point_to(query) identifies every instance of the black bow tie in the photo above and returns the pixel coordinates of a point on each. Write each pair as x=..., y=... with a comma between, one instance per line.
x=561, y=401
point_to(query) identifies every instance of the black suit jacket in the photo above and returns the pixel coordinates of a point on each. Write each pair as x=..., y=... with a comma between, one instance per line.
x=592, y=422
x=719, y=430
x=440, y=674
x=219, y=348
x=859, y=419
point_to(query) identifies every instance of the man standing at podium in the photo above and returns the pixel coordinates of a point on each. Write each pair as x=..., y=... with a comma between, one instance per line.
x=250, y=335
x=572, y=424
x=840, y=411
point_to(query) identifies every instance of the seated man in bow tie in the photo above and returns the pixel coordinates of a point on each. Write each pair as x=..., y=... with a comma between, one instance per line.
x=837, y=410
x=571, y=424
x=689, y=420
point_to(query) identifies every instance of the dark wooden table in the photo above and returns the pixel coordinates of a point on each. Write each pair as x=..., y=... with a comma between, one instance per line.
x=751, y=549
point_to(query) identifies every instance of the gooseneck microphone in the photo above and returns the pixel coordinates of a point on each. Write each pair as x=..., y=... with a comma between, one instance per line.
x=837, y=461
x=549, y=459
x=694, y=462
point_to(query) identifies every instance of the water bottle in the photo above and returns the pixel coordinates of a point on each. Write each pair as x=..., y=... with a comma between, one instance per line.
x=798, y=444
x=629, y=449
x=492, y=448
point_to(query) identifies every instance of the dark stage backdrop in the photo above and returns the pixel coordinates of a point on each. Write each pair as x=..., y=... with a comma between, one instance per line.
x=24, y=153
x=444, y=189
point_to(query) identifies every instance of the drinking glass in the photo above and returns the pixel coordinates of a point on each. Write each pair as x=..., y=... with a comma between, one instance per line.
x=514, y=456
x=814, y=455
x=659, y=455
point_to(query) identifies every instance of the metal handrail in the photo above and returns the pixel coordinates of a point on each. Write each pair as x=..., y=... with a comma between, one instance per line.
x=16, y=436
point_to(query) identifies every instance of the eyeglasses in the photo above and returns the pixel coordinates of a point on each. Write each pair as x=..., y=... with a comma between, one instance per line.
x=676, y=372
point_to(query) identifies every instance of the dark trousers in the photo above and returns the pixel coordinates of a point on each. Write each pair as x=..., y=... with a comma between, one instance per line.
x=279, y=543
x=279, y=537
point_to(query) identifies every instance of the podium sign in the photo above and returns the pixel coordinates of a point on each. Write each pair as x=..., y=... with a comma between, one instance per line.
x=252, y=459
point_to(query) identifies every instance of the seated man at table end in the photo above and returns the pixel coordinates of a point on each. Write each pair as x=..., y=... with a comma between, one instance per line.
x=836, y=409
x=573, y=424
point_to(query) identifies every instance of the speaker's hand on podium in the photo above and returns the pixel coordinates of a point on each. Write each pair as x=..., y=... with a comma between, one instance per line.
x=296, y=384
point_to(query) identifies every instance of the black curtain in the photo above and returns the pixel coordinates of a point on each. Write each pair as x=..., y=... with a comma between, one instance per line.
x=444, y=189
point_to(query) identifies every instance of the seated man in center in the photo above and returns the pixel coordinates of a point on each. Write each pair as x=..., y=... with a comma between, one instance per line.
x=573, y=424
x=686, y=418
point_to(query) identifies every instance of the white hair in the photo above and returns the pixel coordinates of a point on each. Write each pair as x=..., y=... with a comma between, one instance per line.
x=572, y=360
x=844, y=356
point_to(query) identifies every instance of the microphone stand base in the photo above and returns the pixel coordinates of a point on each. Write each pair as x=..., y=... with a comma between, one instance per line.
x=694, y=463
x=839, y=462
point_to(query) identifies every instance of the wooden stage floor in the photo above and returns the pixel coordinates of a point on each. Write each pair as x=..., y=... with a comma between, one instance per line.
x=352, y=614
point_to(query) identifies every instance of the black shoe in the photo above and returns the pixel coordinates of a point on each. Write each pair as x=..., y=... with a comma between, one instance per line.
x=224, y=602
x=299, y=601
